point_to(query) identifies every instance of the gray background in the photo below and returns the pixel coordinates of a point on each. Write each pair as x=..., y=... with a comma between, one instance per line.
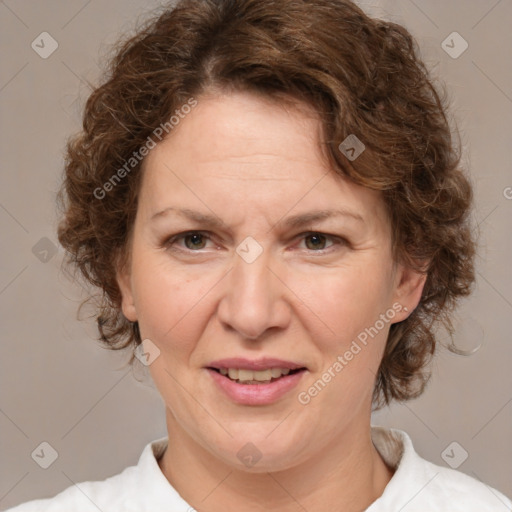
x=59, y=386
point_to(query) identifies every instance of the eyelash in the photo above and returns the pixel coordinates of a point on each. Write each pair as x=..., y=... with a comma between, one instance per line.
x=180, y=236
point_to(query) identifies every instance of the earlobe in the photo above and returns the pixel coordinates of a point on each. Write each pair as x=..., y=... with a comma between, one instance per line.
x=127, y=301
x=408, y=290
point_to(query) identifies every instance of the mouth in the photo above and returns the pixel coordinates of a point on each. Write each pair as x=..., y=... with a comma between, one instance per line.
x=261, y=382
x=256, y=377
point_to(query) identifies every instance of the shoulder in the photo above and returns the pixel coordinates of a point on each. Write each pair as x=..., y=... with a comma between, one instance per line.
x=447, y=485
x=122, y=492
x=84, y=496
x=419, y=485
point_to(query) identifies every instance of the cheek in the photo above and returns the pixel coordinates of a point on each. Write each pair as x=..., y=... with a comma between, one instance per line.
x=168, y=302
x=349, y=345
x=344, y=302
x=334, y=305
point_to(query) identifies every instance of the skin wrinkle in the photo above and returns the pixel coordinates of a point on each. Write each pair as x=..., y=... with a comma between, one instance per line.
x=362, y=77
x=156, y=76
x=322, y=453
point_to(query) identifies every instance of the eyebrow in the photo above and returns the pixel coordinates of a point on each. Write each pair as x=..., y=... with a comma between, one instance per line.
x=291, y=222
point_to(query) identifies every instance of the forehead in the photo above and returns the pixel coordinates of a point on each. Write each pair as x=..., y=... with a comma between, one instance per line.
x=238, y=152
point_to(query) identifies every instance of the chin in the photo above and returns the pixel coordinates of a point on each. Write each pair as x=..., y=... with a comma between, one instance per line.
x=260, y=456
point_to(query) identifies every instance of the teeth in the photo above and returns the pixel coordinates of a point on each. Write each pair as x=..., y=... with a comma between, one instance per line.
x=275, y=372
x=250, y=375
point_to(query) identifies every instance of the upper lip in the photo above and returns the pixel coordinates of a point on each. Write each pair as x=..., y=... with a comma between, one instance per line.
x=254, y=364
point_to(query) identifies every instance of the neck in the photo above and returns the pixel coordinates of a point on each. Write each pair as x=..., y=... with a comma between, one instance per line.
x=348, y=475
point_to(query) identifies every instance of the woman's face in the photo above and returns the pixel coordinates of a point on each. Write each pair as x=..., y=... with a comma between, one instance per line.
x=253, y=286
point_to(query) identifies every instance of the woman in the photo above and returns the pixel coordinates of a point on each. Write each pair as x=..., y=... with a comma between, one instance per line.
x=267, y=196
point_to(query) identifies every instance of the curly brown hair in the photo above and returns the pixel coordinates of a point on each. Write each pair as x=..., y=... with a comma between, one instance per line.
x=362, y=75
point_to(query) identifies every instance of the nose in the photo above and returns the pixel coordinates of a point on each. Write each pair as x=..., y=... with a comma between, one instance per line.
x=254, y=299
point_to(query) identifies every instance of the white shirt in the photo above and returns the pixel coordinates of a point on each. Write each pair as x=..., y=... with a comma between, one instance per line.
x=416, y=486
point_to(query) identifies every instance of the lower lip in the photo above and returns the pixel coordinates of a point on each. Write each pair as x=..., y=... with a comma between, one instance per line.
x=256, y=394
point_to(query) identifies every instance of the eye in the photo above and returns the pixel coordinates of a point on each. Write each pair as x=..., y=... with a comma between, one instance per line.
x=315, y=241
x=196, y=238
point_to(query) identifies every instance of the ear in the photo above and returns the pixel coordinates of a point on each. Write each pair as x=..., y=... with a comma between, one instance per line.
x=123, y=278
x=409, y=285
